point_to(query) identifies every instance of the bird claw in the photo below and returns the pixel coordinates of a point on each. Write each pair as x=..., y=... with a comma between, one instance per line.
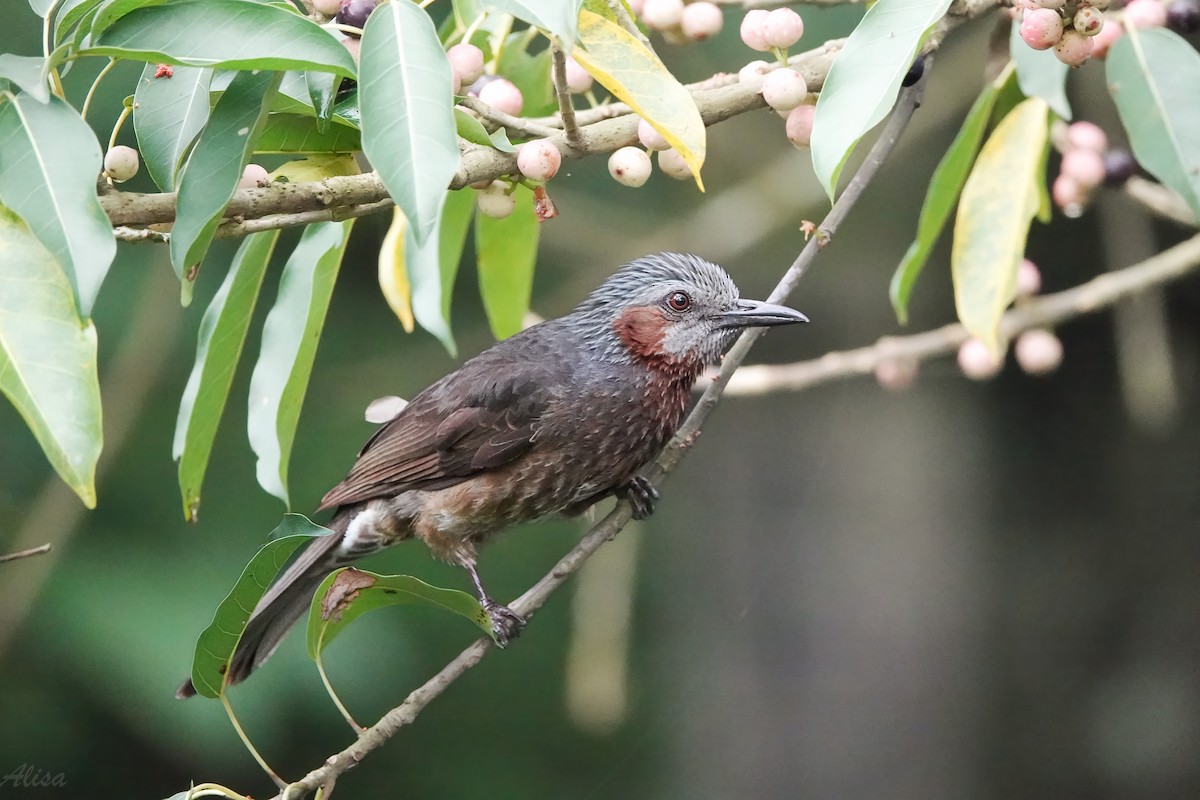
x=506, y=623
x=642, y=495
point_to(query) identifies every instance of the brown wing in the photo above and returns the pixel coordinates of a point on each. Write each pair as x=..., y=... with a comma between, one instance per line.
x=437, y=441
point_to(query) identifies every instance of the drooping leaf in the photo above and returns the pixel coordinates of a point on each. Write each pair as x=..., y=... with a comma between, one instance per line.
x=210, y=175
x=292, y=133
x=393, y=272
x=942, y=195
x=48, y=357
x=348, y=593
x=222, y=334
x=322, y=90
x=168, y=113
x=507, y=250
x=558, y=17
x=72, y=12
x=217, y=643
x=407, y=122
x=472, y=130
x=1040, y=73
x=456, y=221
x=26, y=73
x=316, y=167
x=997, y=206
x=625, y=67
x=48, y=176
x=289, y=345
x=222, y=34
x=1152, y=75
x=424, y=266
x=865, y=78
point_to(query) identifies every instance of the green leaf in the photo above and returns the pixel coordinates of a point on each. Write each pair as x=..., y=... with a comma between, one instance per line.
x=112, y=10
x=217, y=643
x=48, y=176
x=507, y=250
x=289, y=345
x=1152, y=75
x=72, y=12
x=316, y=167
x=1040, y=73
x=998, y=203
x=456, y=221
x=168, y=113
x=407, y=123
x=424, y=266
x=210, y=176
x=223, y=34
x=322, y=90
x=529, y=72
x=48, y=357
x=472, y=130
x=943, y=193
x=348, y=593
x=558, y=17
x=26, y=73
x=292, y=133
x=865, y=78
x=625, y=67
x=222, y=335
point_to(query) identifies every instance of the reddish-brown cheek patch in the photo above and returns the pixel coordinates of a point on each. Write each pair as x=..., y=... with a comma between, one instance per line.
x=641, y=330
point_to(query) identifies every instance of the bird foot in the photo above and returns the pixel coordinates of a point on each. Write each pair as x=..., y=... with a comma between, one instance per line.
x=642, y=495
x=506, y=623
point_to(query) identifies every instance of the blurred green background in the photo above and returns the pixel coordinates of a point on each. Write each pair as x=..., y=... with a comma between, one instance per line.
x=964, y=590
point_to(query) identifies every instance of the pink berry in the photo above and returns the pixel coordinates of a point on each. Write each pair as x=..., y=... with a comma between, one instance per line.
x=503, y=96
x=579, y=80
x=254, y=176
x=629, y=166
x=539, y=160
x=467, y=62
x=661, y=15
x=636, y=6
x=701, y=20
x=327, y=7
x=1068, y=196
x=1106, y=38
x=673, y=165
x=896, y=374
x=1041, y=28
x=650, y=138
x=754, y=29
x=1054, y=4
x=1073, y=49
x=1086, y=136
x=1029, y=279
x=800, y=125
x=752, y=74
x=976, y=361
x=784, y=89
x=783, y=28
x=1039, y=352
x=1085, y=167
x=353, y=44
x=1146, y=13
x=121, y=163
x=495, y=201
x=1088, y=20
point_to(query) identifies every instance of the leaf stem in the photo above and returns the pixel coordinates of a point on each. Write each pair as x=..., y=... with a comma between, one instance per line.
x=337, y=701
x=87, y=101
x=112, y=138
x=246, y=741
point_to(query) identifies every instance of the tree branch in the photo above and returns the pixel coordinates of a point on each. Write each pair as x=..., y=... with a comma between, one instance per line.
x=566, y=107
x=32, y=551
x=611, y=525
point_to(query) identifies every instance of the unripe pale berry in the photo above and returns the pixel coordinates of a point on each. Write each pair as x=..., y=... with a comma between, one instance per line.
x=121, y=163
x=1146, y=13
x=800, y=125
x=539, y=160
x=1041, y=28
x=579, y=80
x=754, y=29
x=673, y=165
x=976, y=362
x=1068, y=196
x=636, y=6
x=503, y=95
x=629, y=166
x=1088, y=21
x=784, y=89
x=1038, y=352
x=495, y=201
x=254, y=175
x=701, y=20
x=752, y=74
x=1085, y=167
x=1029, y=279
x=650, y=138
x=896, y=374
x=327, y=7
x=354, y=45
x=662, y=14
x=1099, y=5
x=1073, y=49
x=467, y=62
x=783, y=28
x=1105, y=39
x=1087, y=136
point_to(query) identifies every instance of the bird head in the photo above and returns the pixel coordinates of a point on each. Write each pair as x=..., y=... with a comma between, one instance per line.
x=675, y=310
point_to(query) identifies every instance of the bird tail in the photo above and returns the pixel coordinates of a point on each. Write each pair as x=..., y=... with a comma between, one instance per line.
x=284, y=603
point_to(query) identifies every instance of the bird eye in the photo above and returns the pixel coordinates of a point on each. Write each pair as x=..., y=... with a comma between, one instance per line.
x=679, y=301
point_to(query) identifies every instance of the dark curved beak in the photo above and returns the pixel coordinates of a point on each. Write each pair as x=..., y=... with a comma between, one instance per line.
x=754, y=314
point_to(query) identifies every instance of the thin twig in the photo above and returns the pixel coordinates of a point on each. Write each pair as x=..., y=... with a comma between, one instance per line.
x=1160, y=200
x=510, y=123
x=32, y=551
x=625, y=21
x=566, y=106
x=611, y=525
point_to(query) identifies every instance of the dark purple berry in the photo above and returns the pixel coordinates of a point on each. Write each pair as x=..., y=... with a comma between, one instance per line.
x=1119, y=167
x=355, y=12
x=914, y=72
x=1183, y=16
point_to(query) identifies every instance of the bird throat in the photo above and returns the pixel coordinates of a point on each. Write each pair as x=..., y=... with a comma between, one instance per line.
x=642, y=330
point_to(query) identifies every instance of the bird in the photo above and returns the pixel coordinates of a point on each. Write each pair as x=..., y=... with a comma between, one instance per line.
x=546, y=422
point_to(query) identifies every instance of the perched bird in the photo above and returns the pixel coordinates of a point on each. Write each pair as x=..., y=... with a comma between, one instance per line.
x=548, y=421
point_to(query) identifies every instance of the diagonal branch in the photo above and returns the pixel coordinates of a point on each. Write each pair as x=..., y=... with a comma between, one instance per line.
x=566, y=106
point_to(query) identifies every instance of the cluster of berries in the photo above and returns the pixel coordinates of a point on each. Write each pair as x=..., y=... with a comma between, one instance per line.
x=1087, y=162
x=1071, y=27
x=680, y=23
x=784, y=89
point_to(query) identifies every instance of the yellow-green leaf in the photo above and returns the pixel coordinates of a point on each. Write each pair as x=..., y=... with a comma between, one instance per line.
x=632, y=72
x=317, y=167
x=393, y=274
x=998, y=204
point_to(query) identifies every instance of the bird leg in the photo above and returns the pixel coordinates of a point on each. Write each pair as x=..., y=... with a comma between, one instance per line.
x=641, y=494
x=506, y=623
